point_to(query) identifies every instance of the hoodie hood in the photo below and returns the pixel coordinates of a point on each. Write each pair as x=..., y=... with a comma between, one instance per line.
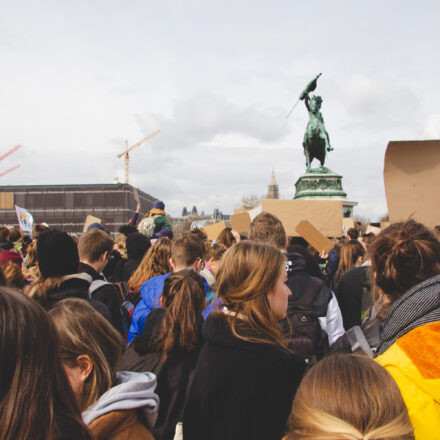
x=135, y=391
x=296, y=263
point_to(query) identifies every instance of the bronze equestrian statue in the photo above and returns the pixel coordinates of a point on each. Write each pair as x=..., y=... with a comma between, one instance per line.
x=316, y=140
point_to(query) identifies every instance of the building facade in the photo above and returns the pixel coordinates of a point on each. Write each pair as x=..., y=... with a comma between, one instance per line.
x=66, y=206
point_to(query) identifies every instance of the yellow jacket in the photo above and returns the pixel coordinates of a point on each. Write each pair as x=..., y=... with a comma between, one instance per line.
x=414, y=362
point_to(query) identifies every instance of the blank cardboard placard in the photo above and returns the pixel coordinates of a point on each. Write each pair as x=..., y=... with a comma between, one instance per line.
x=6, y=200
x=317, y=240
x=212, y=231
x=92, y=219
x=373, y=229
x=384, y=225
x=254, y=212
x=348, y=222
x=412, y=178
x=325, y=215
x=240, y=222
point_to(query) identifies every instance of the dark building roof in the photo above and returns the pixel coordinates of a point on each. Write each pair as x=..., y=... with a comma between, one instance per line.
x=67, y=206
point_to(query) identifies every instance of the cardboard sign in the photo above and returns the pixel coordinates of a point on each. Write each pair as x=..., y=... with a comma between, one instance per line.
x=92, y=219
x=325, y=215
x=317, y=240
x=6, y=200
x=254, y=212
x=240, y=222
x=212, y=231
x=136, y=195
x=412, y=178
x=384, y=225
x=348, y=222
x=373, y=229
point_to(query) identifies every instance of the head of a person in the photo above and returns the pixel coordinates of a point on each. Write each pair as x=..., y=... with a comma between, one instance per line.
x=57, y=254
x=14, y=234
x=403, y=255
x=200, y=234
x=267, y=228
x=155, y=262
x=137, y=245
x=11, y=263
x=376, y=409
x=183, y=298
x=158, y=204
x=90, y=349
x=353, y=234
x=251, y=283
x=95, y=247
x=37, y=229
x=187, y=252
x=36, y=400
x=127, y=229
x=305, y=260
x=4, y=233
x=225, y=238
x=214, y=256
x=350, y=256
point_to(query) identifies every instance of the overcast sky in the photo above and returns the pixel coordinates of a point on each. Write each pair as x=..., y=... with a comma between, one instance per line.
x=217, y=78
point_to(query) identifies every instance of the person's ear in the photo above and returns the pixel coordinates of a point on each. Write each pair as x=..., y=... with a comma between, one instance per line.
x=173, y=266
x=85, y=364
x=103, y=257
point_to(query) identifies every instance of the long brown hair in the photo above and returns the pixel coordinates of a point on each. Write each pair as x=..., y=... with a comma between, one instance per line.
x=155, y=262
x=36, y=401
x=404, y=255
x=83, y=331
x=352, y=397
x=14, y=275
x=225, y=238
x=348, y=255
x=247, y=274
x=183, y=298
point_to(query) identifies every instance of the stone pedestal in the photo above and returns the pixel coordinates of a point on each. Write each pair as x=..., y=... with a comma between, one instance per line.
x=323, y=184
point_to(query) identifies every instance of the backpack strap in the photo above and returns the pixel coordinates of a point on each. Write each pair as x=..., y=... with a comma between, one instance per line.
x=97, y=284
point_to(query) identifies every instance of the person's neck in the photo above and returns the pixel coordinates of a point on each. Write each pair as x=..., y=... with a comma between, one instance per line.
x=179, y=268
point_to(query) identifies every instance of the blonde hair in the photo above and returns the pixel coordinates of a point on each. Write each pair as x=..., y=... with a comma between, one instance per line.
x=376, y=410
x=247, y=274
x=83, y=331
x=155, y=262
x=14, y=275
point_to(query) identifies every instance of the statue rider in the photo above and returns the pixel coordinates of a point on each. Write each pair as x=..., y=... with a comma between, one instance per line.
x=316, y=139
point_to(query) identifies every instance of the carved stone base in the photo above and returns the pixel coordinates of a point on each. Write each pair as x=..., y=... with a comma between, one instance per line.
x=320, y=183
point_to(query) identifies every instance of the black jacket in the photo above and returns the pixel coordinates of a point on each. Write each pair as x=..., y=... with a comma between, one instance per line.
x=349, y=292
x=241, y=390
x=173, y=377
x=107, y=294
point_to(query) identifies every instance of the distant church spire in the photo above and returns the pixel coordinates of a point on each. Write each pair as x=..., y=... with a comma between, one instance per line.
x=272, y=189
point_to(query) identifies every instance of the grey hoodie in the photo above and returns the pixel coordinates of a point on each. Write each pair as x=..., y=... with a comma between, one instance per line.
x=135, y=390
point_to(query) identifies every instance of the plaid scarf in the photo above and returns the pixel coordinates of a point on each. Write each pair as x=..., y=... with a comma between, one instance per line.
x=419, y=306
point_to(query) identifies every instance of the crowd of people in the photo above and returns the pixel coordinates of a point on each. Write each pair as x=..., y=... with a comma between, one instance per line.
x=148, y=335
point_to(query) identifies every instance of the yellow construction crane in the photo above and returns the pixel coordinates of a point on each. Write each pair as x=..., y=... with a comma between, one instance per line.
x=128, y=149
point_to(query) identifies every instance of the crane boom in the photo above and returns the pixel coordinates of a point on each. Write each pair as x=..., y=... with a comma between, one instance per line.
x=128, y=149
x=139, y=143
x=4, y=156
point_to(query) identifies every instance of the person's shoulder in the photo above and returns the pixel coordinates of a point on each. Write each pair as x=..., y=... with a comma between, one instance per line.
x=155, y=281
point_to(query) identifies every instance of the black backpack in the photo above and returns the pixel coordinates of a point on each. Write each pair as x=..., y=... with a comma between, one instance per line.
x=306, y=337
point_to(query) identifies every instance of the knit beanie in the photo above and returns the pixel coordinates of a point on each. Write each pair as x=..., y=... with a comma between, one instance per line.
x=137, y=244
x=57, y=254
x=159, y=205
x=7, y=256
